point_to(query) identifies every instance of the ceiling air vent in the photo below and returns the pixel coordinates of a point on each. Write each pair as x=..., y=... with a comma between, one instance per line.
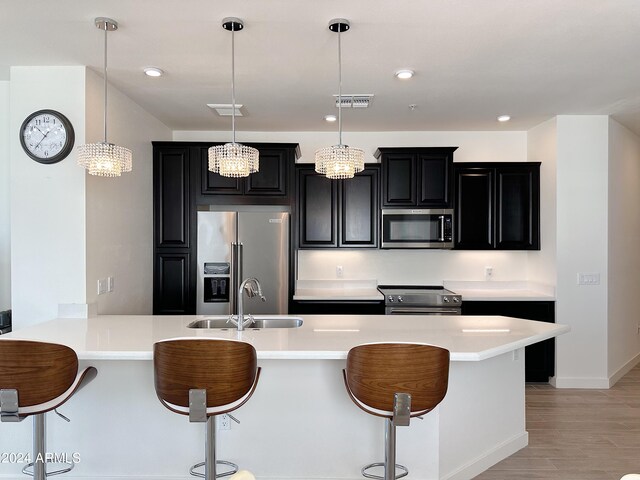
x=355, y=101
x=225, y=109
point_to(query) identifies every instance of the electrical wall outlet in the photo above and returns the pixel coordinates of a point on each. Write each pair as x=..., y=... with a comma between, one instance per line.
x=102, y=286
x=339, y=271
x=110, y=284
x=224, y=422
x=488, y=273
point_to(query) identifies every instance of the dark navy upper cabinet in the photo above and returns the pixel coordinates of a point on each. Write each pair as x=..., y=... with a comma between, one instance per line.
x=337, y=213
x=416, y=176
x=497, y=206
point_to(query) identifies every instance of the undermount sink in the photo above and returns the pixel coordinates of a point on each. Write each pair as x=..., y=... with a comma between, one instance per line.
x=259, y=321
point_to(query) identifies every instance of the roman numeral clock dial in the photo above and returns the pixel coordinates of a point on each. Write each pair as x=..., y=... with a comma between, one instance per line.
x=47, y=136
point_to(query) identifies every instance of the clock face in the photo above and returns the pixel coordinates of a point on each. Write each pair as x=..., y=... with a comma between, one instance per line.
x=47, y=136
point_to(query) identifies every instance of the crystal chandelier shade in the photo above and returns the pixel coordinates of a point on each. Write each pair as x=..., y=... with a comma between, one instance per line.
x=233, y=159
x=339, y=161
x=105, y=159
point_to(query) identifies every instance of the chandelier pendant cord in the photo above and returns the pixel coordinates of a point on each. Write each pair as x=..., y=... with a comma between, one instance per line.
x=233, y=80
x=106, y=29
x=339, y=86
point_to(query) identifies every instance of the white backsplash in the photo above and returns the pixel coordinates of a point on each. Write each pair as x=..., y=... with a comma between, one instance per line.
x=427, y=267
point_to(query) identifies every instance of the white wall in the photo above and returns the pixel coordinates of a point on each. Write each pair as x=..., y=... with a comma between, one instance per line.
x=5, y=204
x=47, y=201
x=542, y=147
x=120, y=210
x=472, y=146
x=623, y=250
x=419, y=266
x=582, y=196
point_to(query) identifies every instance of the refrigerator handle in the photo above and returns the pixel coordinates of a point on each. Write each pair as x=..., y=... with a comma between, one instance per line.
x=234, y=278
x=236, y=274
x=240, y=265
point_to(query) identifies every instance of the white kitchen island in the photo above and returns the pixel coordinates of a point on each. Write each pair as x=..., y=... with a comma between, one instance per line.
x=300, y=423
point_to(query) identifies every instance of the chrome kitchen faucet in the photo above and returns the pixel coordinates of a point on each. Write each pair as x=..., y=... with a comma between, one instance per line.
x=253, y=288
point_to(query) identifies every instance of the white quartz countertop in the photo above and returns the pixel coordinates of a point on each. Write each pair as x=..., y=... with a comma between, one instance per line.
x=502, y=291
x=131, y=337
x=321, y=290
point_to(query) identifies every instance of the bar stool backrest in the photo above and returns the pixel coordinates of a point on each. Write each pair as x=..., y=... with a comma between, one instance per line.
x=226, y=369
x=39, y=371
x=375, y=372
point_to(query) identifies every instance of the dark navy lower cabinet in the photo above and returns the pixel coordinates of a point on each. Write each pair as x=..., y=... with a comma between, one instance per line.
x=539, y=357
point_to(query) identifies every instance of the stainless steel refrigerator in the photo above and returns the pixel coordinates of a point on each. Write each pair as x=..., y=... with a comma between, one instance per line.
x=236, y=245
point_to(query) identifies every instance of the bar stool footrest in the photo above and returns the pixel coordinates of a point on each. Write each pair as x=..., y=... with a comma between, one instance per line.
x=234, y=469
x=405, y=471
x=28, y=469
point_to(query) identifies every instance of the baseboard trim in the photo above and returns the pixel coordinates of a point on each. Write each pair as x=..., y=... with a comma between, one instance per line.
x=623, y=370
x=489, y=458
x=581, y=382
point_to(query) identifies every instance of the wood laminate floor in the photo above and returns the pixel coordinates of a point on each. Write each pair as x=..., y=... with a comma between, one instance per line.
x=578, y=434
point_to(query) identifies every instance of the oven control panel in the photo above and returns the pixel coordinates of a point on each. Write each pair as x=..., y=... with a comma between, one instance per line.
x=452, y=300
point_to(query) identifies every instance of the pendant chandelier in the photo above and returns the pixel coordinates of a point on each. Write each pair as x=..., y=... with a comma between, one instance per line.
x=233, y=159
x=105, y=159
x=339, y=161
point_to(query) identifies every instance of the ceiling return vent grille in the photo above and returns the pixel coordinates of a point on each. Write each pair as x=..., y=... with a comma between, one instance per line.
x=225, y=109
x=355, y=101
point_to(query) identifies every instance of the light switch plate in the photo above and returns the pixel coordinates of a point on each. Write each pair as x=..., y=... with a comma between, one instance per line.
x=588, y=279
x=110, y=284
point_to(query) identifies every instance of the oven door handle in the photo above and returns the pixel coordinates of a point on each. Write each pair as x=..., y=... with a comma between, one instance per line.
x=418, y=311
x=441, y=222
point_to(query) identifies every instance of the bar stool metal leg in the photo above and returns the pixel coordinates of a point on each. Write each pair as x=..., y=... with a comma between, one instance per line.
x=390, y=450
x=38, y=468
x=210, y=463
x=210, y=450
x=389, y=457
x=39, y=431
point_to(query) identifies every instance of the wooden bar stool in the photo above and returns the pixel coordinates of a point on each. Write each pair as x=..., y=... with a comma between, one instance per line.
x=396, y=381
x=35, y=378
x=203, y=378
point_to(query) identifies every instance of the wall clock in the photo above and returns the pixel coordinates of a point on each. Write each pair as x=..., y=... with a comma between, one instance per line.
x=47, y=136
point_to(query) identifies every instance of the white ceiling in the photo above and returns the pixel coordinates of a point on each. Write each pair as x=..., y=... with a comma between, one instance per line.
x=474, y=59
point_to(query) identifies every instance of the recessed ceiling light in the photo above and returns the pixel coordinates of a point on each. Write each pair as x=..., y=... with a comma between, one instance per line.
x=504, y=118
x=330, y=118
x=405, y=74
x=153, y=72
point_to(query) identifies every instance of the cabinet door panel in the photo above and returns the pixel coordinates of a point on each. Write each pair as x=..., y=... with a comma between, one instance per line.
x=214, y=183
x=171, y=194
x=474, y=208
x=172, y=281
x=517, y=208
x=435, y=181
x=317, y=203
x=359, y=210
x=399, y=184
x=270, y=179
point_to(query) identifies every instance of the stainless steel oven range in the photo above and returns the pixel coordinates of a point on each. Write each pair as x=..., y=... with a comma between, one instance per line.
x=420, y=300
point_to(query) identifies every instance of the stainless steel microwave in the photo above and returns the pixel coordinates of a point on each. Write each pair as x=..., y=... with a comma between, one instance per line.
x=417, y=228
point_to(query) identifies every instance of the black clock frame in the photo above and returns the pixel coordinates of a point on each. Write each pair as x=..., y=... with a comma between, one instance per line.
x=66, y=150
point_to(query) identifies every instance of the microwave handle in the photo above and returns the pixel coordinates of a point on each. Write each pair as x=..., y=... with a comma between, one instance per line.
x=441, y=221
